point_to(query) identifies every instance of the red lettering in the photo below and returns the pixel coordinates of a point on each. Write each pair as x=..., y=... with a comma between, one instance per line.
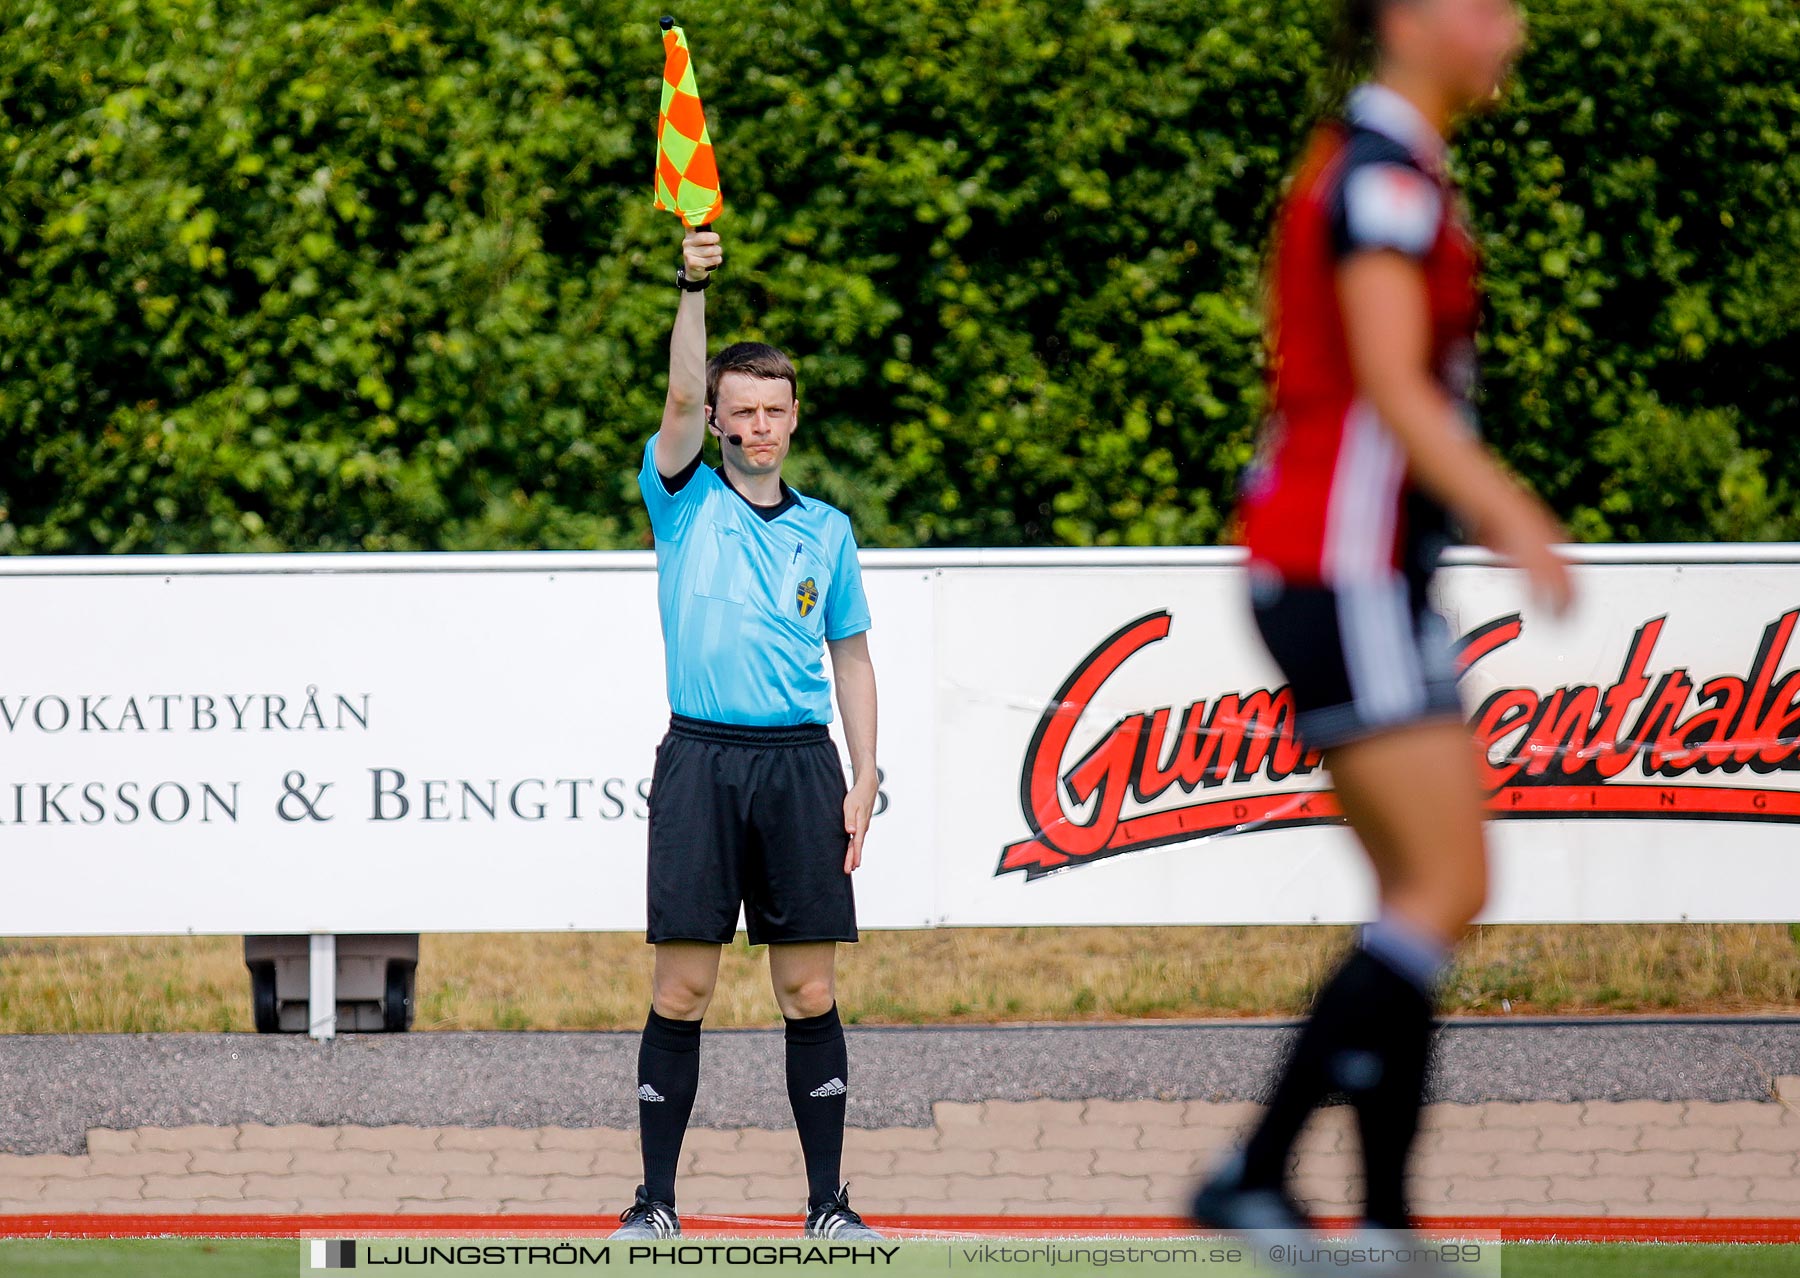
x=1505, y=713
x=1655, y=733
x=1536, y=744
x=1767, y=719
x=1706, y=735
x=1191, y=764
x=1613, y=756
x=1780, y=728
x=1043, y=762
x=1560, y=736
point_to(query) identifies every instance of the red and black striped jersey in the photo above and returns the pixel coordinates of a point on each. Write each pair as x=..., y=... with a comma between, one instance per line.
x=1328, y=498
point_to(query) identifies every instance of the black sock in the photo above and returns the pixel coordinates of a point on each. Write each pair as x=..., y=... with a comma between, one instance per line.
x=1369, y=1037
x=1398, y=1020
x=818, y=1067
x=1306, y=1078
x=668, y=1077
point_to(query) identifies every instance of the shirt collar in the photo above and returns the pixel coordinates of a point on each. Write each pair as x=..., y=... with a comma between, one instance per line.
x=1379, y=108
x=789, y=498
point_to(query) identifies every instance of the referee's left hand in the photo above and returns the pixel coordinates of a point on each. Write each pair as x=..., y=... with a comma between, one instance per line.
x=859, y=807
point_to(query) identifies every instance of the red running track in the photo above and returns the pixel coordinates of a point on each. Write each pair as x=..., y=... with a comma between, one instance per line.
x=1508, y=1228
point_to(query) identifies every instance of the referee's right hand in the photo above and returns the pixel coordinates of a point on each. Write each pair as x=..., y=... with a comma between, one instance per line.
x=701, y=253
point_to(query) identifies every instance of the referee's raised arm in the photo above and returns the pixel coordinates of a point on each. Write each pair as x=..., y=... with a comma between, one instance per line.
x=684, y=410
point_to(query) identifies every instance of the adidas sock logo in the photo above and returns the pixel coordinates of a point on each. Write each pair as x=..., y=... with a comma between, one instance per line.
x=648, y=1093
x=834, y=1088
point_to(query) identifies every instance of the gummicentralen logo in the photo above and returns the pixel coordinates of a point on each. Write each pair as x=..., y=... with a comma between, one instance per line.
x=1572, y=751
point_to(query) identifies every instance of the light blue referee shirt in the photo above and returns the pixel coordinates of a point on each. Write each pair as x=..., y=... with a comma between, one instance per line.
x=748, y=603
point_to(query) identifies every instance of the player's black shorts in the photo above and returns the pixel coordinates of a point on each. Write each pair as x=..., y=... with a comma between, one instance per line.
x=1362, y=659
x=752, y=816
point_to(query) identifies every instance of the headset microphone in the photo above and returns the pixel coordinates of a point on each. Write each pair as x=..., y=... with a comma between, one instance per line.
x=736, y=441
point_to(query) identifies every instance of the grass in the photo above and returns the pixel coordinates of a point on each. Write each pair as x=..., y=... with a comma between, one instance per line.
x=257, y=1258
x=485, y=981
x=151, y=1258
x=1652, y=1260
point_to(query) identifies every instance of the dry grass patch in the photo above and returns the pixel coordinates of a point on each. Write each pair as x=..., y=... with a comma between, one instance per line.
x=534, y=981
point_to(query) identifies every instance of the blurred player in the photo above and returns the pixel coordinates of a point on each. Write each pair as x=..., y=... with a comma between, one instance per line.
x=1371, y=439
x=748, y=805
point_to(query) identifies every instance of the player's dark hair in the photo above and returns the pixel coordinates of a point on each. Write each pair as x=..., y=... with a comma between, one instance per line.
x=1350, y=50
x=1353, y=43
x=756, y=359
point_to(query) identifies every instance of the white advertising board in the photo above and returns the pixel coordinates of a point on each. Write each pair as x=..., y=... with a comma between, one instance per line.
x=463, y=743
x=1119, y=749
x=359, y=743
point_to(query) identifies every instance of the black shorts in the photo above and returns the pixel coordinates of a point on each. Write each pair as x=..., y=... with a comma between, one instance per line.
x=1361, y=659
x=751, y=816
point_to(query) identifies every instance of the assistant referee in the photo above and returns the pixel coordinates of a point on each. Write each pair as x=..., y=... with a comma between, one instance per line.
x=748, y=805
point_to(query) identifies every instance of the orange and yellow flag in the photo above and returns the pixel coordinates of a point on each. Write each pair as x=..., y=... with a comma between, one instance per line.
x=687, y=176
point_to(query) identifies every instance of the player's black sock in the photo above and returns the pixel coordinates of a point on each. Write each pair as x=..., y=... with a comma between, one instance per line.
x=1398, y=1025
x=668, y=1077
x=818, y=1069
x=1368, y=1036
x=1305, y=1079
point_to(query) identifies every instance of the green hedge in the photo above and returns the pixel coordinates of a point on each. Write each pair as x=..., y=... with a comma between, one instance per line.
x=294, y=274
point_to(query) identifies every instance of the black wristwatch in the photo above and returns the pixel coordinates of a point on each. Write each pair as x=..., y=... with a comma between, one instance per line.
x=686, y=285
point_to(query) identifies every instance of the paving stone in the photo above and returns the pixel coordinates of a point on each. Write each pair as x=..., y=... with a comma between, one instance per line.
x=289, y=1137
x=394, y=1137
x=186, y=1138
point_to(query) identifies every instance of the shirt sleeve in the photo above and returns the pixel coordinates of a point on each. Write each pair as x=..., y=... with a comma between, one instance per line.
x=1387, y=206
x=670, y=511
x=676, y=482
x=847, y=607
